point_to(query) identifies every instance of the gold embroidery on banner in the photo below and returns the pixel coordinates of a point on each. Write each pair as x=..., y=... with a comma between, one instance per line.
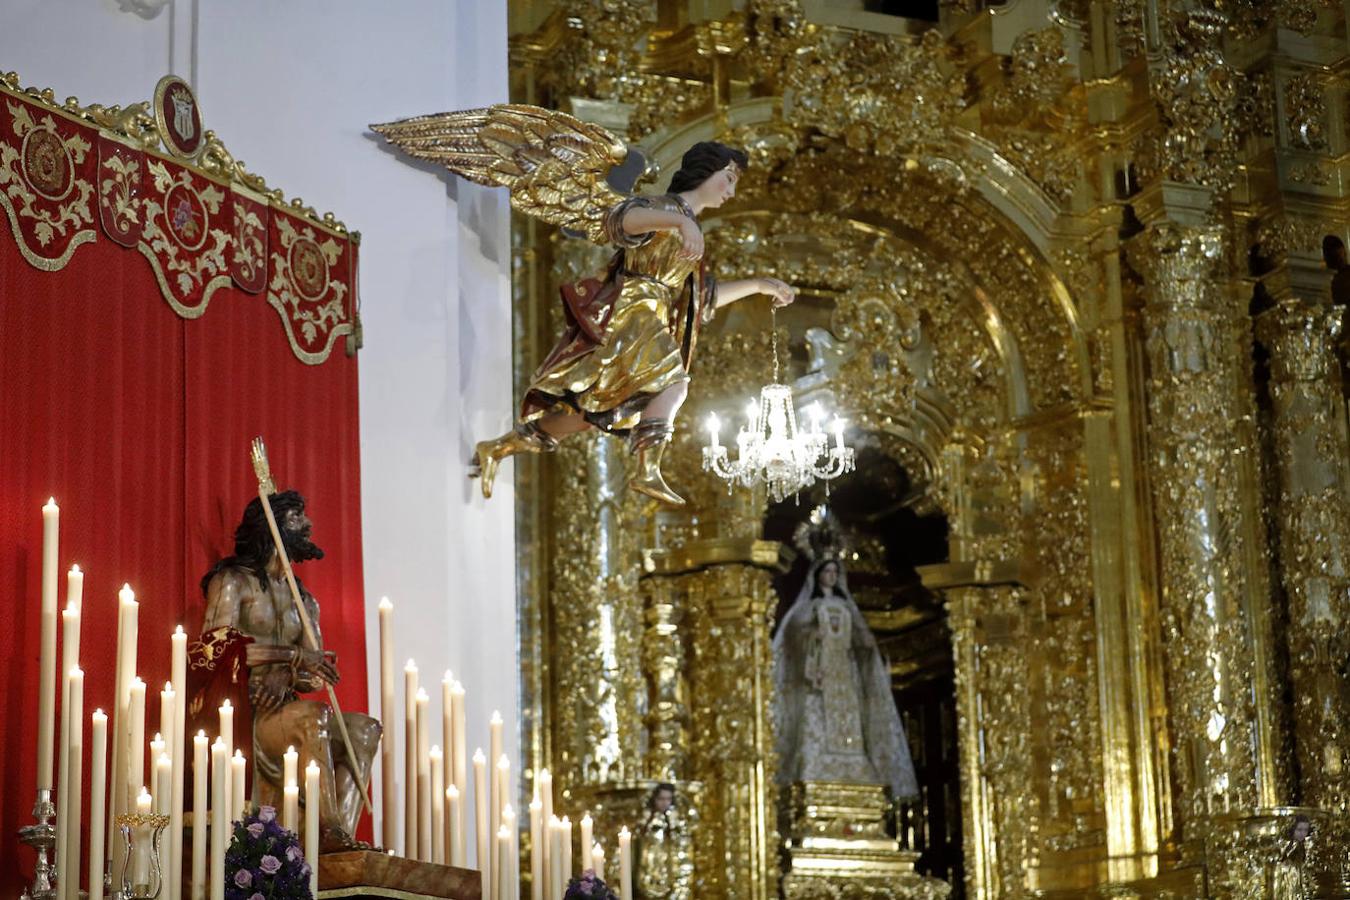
x=117, y=192
x=249, y=249
x=44, y=166
x=302, y=267
x=186, y=213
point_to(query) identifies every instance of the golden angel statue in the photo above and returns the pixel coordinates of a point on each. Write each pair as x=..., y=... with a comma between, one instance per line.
x=622, y=364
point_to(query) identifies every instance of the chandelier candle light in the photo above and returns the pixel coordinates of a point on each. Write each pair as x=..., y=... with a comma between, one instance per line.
x=771, y=449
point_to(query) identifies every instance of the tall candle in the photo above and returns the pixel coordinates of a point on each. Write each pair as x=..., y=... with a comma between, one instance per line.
x=501, y=854
x=98, y=793
x=226, y=733
x=567, y=849
x=587, y=835
x=290, y=767
x=494, y=788
x=51, y=519
x=70, y=660
x=178, y=743
x=448, y=723
x=536, y=849
x=73, y=763
x=410, y=760
x=454, y=814
x=625, y=864
x=388, y=712
x=503, y=791
x=168, y=710
x=312, y=824
x=238, y=771
x=290, y=807
x=423, y=776
x=437, y=806
x=511, y=854
x=140, y=856
x=461, y=777
x=127, y=626
x=598, y=861
x=136, y=739
x=220, y=827
x=157, y=747
x=543, y=786
x=555, y=871
x=163, y=784
x=201, y=803
x=482, y=837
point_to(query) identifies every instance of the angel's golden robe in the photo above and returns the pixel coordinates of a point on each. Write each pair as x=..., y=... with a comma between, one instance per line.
x=630, y=334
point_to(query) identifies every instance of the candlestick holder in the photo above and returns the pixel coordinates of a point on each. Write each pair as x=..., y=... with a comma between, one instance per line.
x=41, y=836
x=142, y=870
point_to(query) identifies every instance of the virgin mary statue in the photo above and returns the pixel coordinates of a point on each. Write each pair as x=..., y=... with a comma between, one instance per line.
x=836, y=717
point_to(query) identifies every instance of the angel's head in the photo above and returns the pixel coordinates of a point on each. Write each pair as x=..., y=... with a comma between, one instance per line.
x=708, y=174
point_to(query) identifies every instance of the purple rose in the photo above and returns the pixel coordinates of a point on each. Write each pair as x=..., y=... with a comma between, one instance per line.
x=256, y=896
x=270, y=864
x=243, y=878
x=256, y=829
x=267, y=813
x=586, y=887
x=293, y=853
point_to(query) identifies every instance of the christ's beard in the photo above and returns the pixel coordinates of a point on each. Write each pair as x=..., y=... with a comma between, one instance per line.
x=300, y=548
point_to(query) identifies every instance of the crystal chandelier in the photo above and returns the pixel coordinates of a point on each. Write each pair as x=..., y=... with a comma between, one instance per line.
x=771, y=449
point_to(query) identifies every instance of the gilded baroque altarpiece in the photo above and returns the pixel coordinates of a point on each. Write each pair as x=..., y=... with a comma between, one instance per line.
x=1069, y=255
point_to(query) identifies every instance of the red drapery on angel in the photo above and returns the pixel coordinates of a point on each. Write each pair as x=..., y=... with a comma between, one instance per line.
x=137, y=417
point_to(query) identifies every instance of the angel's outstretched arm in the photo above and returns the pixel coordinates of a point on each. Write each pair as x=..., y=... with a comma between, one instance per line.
x=731, y=291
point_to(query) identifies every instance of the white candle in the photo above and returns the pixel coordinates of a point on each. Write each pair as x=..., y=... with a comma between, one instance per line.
x=536, y=848
x=127, y=627
x=136, y=739
x=598, y=861
x=567, y=849
x=201, y=804
x=454, y=814
x=482, y=837
x=168, y=710
x=73, y=763
x=164, y=784
x=388, y=747
x=625, y=864
x=511, y=854
x=290, y=807
x=98, y=793
x=220, y=827
x=226, y=733
x=555, y=856
x=178, y=743
x=312, y=801
x=157, y=747
x=838, y=433
x=495, y=798
x=448, y=724
x=51, y=527
x=543, y=786
x=714, y=430
x=238, y=772
x=501, y=853
x=410, y=760
x=70, y=660
x=503, y=782
x=437, y=806
x=140, y=856
x=423, y=776
x=290, y=767
x=461, y=777
x=587, y=840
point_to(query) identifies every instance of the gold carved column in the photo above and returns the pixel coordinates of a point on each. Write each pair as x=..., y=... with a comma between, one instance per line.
x=597, y=620
x=1194, y=405
x=728, y=605
x=1311, y=449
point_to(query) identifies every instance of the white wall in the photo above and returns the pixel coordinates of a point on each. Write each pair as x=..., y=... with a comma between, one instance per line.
x=290, y=88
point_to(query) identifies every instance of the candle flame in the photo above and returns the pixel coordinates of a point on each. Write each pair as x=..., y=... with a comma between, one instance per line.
x=178, y=630
x=496, y=718
x=452, y=791
x=226, y=704
x=75, y=569
x=385, y=604
x=51, y=502
x=478, y=757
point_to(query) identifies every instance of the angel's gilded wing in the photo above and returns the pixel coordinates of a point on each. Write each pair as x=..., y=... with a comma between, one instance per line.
x=554, y=164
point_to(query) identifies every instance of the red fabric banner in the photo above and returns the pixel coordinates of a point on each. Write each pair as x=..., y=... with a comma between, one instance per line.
x=138, y=422
x=46, y=180
x=310, y=284
x=121, y=186
x=187, y=235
